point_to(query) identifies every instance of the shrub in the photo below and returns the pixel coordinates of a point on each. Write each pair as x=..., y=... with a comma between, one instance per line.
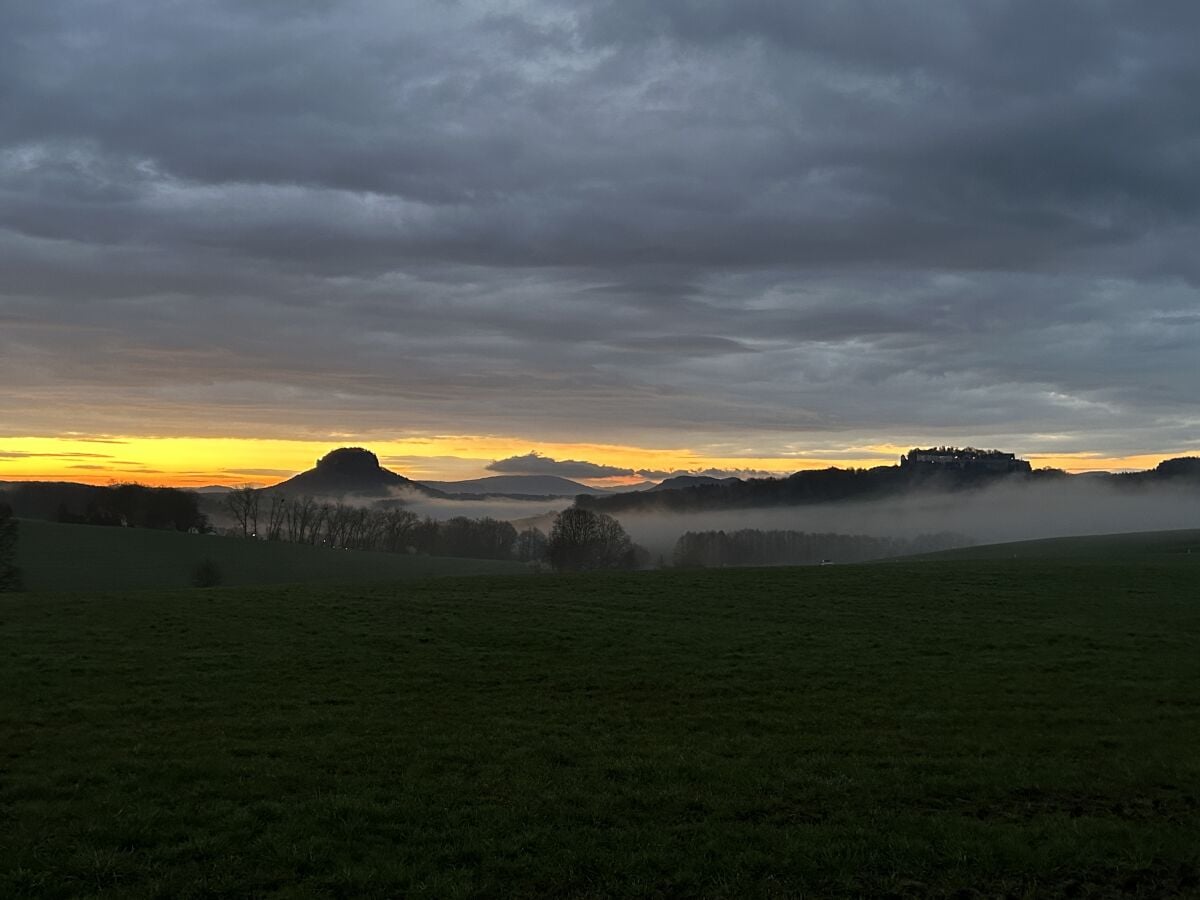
x=10, y=575
x=206, y=574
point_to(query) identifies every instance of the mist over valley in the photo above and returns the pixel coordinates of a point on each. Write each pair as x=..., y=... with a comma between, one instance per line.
x=927, y=501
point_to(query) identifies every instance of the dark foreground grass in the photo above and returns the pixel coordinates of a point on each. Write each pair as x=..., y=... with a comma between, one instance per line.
x=58, y=557
x=921, y=730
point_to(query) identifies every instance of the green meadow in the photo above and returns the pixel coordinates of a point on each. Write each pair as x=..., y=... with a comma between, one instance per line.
x=1163, y=546
x=972, y=728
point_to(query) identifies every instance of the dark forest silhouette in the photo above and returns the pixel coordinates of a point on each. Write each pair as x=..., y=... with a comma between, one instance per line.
x=752, y=547
x=834, y=485
x=126, y=505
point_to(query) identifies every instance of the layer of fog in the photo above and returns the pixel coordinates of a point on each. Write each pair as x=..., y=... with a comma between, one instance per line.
x=506, y=508
x=998, y=514
x=539, y=512
x=1015, y=512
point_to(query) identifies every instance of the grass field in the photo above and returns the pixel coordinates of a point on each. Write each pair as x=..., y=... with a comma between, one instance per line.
x=56, y=557
x=965, y=729
x=1146, y=545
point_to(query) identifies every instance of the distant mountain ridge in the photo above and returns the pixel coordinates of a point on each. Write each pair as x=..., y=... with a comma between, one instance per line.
x=356, y=471
x=947, y=470
x=515, y=486
x=688, y=481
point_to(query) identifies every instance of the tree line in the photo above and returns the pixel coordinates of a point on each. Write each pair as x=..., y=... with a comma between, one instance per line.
x=121, y=505
x=835, y=485
x=388, y=528
x=831, y=485
x=752, y=547
x=579, y=539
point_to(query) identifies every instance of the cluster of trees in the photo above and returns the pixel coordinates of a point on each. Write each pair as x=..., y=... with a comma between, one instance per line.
x=385, y=527
x=10, y=575
x=138, y=506
x=128, y=505
x=582, y=540
x=484, y=538
x=752, y=547
x=579, y=539
x=305, y=520
x=1185, y=469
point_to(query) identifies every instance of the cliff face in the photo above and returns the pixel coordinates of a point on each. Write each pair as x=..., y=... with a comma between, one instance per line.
x=352, y=463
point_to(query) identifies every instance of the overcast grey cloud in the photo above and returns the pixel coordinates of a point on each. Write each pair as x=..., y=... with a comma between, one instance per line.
x=534, y=463
x=757, y=227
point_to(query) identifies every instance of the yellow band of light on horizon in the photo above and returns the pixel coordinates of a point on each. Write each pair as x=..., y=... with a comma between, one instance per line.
x=184, y=461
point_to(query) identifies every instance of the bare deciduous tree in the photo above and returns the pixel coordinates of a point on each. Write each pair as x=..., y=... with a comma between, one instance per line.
x=398, y=527
x=300, y=520
x=276, y=515
x=581, y=540
x=531, y=545
x=242, y=504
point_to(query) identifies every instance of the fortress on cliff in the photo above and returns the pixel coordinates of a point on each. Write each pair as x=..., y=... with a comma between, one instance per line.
x=966, y=458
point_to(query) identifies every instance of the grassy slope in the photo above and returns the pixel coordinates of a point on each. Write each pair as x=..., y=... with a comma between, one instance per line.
x=56, y=557
x=908, y=730
x=1111, y=547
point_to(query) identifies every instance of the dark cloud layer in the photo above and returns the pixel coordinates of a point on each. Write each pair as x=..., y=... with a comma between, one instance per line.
x=751, y=225
x=534, y=463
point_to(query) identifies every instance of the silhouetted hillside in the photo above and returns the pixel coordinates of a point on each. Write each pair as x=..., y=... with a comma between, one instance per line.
x=350, y=471
x=1185, y=467
x=538, y=486
x=835, y=485
x=688, y=481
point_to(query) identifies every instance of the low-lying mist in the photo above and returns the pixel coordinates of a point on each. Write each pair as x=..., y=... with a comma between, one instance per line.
x=506, y=508
x=1011, y=511
x=1005, y=512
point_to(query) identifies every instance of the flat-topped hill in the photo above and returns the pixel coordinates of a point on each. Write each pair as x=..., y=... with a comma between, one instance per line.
x=350, y=471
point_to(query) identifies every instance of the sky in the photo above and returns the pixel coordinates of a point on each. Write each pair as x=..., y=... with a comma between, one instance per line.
x=695, y=235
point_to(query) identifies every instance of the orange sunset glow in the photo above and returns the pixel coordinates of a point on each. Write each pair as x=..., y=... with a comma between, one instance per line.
x=199, y=461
